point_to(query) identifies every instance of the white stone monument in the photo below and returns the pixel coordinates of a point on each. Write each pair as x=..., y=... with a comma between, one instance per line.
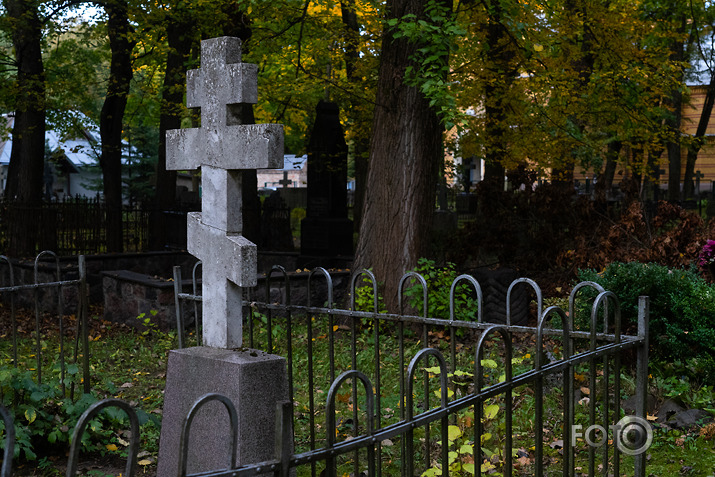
x=221, y=147
x=254, y=381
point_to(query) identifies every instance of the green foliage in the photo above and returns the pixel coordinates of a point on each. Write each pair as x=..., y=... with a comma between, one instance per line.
x=439, y=283
x=43, y=417
x=297, y=214
x=681, y=381
x=435, y=37
x=365, y=299
x=682, y=305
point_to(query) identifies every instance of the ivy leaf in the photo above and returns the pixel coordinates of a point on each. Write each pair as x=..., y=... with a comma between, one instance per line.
x=30, y=415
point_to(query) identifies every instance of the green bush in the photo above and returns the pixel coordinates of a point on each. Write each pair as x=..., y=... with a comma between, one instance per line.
x=439, y=283
x=44, y=419
x=682, y=307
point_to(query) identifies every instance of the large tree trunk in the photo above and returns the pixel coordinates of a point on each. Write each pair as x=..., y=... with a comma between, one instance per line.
x=180, y=37
x=694, y=149
x=605, y=182
x=112, y=118
x=402, y=174
x=25, y=174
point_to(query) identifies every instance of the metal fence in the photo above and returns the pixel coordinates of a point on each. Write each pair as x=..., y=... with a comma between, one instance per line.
x=362, y=382
x=45, y=294
x=396, y=362
x=74, y=226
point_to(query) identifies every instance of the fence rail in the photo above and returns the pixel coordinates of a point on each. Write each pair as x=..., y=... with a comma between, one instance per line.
x=392, y=353
x=74, y=226
x=595, y=352
x=55, y=287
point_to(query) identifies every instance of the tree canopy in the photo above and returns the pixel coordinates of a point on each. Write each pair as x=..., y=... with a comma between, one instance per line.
x=549, y=85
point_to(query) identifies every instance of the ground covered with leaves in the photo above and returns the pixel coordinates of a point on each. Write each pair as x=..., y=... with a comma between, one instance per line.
x=631, y=253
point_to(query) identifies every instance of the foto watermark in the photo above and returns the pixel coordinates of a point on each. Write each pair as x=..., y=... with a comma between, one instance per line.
x=632, y=435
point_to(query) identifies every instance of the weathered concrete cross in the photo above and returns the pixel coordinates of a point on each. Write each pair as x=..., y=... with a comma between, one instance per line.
x=222, y=147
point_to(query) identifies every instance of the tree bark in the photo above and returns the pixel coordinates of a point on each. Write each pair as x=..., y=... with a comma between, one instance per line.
x=27, y=158
x=112, y=118
x=402, y=173
x=500, y=70
x=238, y=24
x=673, y=123
x=180, y=37
x=694, y=149
x=361, y=145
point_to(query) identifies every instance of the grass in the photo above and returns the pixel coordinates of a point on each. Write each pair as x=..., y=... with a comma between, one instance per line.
x=131, y=365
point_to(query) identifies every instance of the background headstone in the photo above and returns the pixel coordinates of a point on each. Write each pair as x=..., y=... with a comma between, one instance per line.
x=326, y=231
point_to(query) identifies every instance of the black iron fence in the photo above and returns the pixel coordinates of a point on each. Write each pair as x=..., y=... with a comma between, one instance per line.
x=499, y=387
x=375, y=393
x=73, y=226
x=49, y=291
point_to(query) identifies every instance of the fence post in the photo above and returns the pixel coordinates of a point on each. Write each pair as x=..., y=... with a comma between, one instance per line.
x=177, y=305
x=642, y=375
x=9, y=442
x=83, y=316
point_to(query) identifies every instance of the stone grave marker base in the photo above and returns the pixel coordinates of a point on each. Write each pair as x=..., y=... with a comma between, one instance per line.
x=253, y=380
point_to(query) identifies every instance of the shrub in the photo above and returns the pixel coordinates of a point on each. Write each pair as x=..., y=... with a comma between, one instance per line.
x=44, y=419
x=682, y=306
x=439, y=283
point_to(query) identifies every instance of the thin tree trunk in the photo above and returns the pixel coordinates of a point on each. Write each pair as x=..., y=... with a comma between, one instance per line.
x=361, y=144
x=237, y=24
x=673, y=123
x=112, y=118
x=694, y=149
x=404, y=159
x=180, y=37
x=25, y=174
x=499, y=61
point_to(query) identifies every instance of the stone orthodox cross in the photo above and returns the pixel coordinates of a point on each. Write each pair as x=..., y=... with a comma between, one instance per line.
x=221, y=147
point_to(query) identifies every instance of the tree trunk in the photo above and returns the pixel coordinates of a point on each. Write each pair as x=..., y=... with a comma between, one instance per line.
x=582, y=64
x=694, y=149
x=25, y=174
x=112, y=118
x=402, y=173
x=673, y=122
x=361, y=143
x=237, y=24
x=605, y=182
x=500, y=71
x=180, y=37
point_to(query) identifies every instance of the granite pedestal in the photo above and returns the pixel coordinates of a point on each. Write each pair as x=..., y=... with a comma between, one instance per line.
x=253, y=380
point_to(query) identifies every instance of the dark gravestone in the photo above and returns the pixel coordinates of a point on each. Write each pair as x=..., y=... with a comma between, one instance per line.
x=326, y=231
x=276, y=235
